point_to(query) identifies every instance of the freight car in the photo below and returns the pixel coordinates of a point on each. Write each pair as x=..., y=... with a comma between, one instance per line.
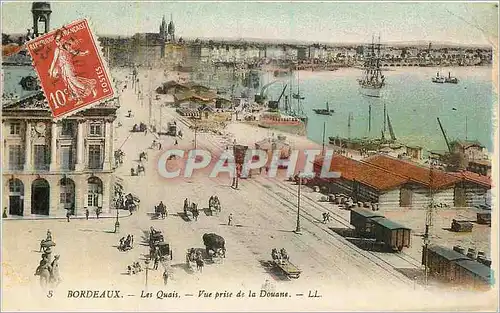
x=456, y=268
x=369, y=224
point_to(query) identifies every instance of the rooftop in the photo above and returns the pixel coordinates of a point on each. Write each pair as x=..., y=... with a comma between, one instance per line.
x=364, y=173
x=414, y=172
x=388, y=223
x=446, y=253
x=475, y=178
x=366, y=213
x=481, y=270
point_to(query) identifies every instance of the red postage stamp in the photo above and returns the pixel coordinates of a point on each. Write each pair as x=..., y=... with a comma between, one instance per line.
x=72, y=72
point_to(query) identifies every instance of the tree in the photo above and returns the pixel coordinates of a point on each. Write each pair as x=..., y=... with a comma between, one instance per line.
x=6, y=39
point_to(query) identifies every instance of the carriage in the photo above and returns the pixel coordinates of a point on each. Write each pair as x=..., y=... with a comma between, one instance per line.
x=155, y=237
x=192, y=257
x=164, y=250
x=161, y=211
x=130, y=203
x=139, y=128
x=191, y=208
x=215, y=246
x=281, y=261
x=214, y=205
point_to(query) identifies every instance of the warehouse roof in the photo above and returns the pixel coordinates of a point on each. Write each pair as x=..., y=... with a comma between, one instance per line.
x=364, y=173
x=414, y=172
x=481, y=270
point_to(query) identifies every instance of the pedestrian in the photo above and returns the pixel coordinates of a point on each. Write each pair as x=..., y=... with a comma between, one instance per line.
x=165, y=277
x=97, y=212
x=159, y=146
x=132, y=240
x=145, y=132
x=157, y=260
x=4, y=215
x=230, y=220
x=67, y=215
x=121, y=241
x=87, y=213
x=176, y=143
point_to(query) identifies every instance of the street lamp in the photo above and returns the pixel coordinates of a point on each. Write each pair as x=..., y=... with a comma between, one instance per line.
x=117, y=223
x=300, y=175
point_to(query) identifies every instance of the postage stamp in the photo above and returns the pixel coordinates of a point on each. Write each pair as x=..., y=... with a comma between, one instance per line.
x=72, y=73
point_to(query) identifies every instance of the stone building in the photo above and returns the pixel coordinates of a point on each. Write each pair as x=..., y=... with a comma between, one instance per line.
x=51, y=167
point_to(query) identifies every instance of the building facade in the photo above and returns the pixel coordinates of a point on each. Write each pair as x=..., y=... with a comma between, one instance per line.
x=51, y=167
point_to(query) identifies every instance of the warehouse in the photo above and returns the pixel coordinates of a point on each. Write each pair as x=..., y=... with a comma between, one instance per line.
x=472, y=189
x=362, y=181
x=415, y=193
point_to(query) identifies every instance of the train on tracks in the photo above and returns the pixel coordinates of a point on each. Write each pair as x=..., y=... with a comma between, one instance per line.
x=372, y=225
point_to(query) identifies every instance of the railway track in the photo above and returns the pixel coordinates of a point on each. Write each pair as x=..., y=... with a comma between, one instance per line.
x=291, y=207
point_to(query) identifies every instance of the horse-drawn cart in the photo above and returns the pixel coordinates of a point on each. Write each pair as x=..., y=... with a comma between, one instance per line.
x=155, y=237
x=164, y=250
x=288, y=268
x=214, y=205
x=281, y=261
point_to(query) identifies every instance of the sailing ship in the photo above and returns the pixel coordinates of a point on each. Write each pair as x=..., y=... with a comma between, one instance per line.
x=297, y=95
x=299, y=112
x=373, y=79
x=326, y=111
x=438, y=79
x=366, y=143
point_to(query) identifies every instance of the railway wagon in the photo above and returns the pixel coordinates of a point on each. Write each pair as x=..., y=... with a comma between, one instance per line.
x=394, y=235
x=456, y=268
x=361, y=219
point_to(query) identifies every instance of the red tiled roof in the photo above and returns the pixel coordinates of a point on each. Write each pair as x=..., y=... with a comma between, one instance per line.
x=366, y=174
x=414, y=172
x=474, y=178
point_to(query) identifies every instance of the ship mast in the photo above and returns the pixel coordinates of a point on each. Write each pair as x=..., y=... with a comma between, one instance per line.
x=385, y=116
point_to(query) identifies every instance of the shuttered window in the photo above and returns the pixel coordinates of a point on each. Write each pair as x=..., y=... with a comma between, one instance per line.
x=15, y=157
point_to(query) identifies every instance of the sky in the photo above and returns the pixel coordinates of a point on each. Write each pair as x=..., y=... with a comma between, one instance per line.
x=333, y=22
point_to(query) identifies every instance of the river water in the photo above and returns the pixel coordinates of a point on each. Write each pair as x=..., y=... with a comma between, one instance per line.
x=413, y=103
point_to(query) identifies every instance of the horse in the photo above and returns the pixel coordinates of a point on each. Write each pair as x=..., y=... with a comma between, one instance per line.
x=140, y=169
x=275, y=254
x=43, y=270
x=199, y=264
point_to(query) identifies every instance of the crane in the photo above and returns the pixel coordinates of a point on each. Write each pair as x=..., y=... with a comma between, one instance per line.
x=275, y=104
x=444, y=135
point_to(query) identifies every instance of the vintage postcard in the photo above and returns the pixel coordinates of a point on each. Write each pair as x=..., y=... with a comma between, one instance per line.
x=254, y=156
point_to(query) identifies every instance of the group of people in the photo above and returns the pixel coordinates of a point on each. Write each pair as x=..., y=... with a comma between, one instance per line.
x=156, y=145
x=161, y=210
x=134, y=268
x=326, y=217
x=126, y=243
x=192, y=207
x=48, y=269
x=280, y=256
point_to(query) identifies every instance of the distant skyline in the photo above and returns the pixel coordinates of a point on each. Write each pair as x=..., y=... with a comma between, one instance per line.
x=333, y=22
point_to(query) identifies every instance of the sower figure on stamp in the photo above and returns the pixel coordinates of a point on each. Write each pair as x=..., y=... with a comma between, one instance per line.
x=62, y=65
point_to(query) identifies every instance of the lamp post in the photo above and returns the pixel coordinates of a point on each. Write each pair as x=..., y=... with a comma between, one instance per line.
x=117, y=223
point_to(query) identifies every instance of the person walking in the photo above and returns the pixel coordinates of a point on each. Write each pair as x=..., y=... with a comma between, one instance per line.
x=230, y=220
x=67, y=215
x=165, y=277
x=87, y=213
x=97, y=212
x=157, y=260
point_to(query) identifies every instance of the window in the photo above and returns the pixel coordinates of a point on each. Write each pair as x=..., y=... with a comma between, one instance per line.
x=15, y=128
x=15, y=157
x=95, y=157
x=15, y=186
x=66, y=158
x=94, y=195
x=41, y=157
x=67, y=128
x=95, y=129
